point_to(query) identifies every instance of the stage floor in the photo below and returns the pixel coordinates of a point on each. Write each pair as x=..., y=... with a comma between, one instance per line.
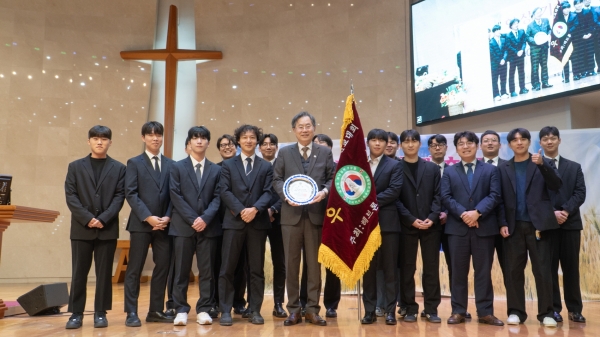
x=346, y=324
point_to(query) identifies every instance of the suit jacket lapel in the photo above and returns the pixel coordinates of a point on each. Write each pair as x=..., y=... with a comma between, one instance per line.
x=296, y=156
x=314, y=154
x=164, y=171
x=107, y=167
x=408, y=173
x=147, y=163
x=476, y=174
x=205, y=174
x=240, y=167
x=531, y=168
x=463, y=176
x=192, y=172
x=87, y=164
x=420, y=171
x=254, y=173
x=382, y=163
x=511, y=174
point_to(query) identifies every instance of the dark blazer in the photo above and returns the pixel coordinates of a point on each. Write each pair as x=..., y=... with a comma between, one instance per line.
x=388, y=182
x=420, y=197
x=532, y=29
x=515, y=44
x=146, y=191
x=275, y=203
x=497, y=52
x=571, y=195
x=289, y=163
x=540, y=179
x=484, y=197
x=239, y=191
x=88, y=199
x=191, y=201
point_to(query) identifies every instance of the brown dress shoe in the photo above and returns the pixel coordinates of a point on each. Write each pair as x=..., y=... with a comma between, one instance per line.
x=456, y=319
x=491, y=320
x=314, y=319
x=293, y=319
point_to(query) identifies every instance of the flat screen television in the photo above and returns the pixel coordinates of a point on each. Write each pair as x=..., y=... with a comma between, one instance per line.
x=472, y=57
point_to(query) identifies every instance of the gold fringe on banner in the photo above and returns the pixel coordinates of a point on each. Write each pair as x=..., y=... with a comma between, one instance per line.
x=348, y=117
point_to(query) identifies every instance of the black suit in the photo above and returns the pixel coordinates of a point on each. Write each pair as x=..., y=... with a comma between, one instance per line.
x=102, y=200
x=466, y=242
x=566, y=249
x=420, y=199
x=499, y=242
x=147, y=193
x=240, y=191
x=583, y=49
x=277, y=252
x=515, y=44
x=522, y=239
x=190, y=201
x=387, y=179
x=498, y=54
x=444, y=237
x=539, y=53
x=572, y=22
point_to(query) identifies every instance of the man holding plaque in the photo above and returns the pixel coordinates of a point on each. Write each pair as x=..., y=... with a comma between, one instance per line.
x=301, y=224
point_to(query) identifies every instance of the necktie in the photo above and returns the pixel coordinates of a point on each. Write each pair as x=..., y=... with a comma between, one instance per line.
x=516, y=36
x=249, y=165
x=156, y=167
x=555, y=162
x=490, y=161
x=198, y=173
x=305, y=152
x=470, y=174
x=441, y=169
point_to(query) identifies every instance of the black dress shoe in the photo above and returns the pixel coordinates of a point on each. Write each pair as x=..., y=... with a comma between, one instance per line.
x=433, y=318
x=75, y=321
x=468, y=315
x=246, y=313
x=303, y=311
x=513, y=94
x=576, y=317
x=523, y=91
x=369, y=318
x=278, y=311
x=557, y=317
x=402, y=311
x=132, y=320
x=171, y=313
x=331, y=313
x=213, y=313
x=410, y=318
x=239, y=310
x=423, y=313
x=256, y=318
x=100, y=319
x=390, y=318
x=546, y=85
x=293, y=319
x=537, y=88
x=226, y=319
x=159, y=317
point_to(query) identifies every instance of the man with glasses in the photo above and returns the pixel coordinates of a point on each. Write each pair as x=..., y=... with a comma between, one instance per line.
x=301, y=225
x=471, y=192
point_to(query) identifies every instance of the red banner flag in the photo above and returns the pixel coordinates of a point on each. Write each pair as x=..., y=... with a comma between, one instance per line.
x=561, y=45
x=351, y=233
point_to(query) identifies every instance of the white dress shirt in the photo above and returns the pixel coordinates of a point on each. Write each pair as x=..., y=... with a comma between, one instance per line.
x=195, y=162
x=374, y=162
x=557, y=159
x=150, y=155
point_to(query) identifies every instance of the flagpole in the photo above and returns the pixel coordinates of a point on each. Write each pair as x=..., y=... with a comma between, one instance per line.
x=358, y=301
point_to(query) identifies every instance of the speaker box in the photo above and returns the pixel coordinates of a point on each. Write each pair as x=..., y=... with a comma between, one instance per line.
x=5, y=181
x=46, y=299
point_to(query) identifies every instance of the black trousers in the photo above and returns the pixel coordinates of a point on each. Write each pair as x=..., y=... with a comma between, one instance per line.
x=240, y=280
x=516, y=65
x=386, y=259
x=170, y=304
x=234, y=241
x=332, y=292
x=430, y=254
x=161, y=255
x=517, y=247
x=278, y=259
x=539, y=59
x=499, y=245
x=481, y=250
x=82, y=253
x=499, y=75
x=447, y=257
x=566, y=252
x=214, y=293
x=204, y=248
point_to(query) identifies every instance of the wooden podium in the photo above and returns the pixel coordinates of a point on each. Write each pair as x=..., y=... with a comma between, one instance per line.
x=12, y=213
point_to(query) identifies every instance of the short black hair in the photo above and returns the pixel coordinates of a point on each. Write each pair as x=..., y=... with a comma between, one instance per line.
x=549, y=130
x=576, y=2
x=378, y=134
x=495, y=28
x=566, y=4
x=303, y=114
x=230, y=138
x=522, y=131
x=187, y=141
x=324, y=138
x=152, y=127
x=513, y=21
x=247, y=128
x=410, y=134
x=535, y=10
x=271, y=137
x=490, y=132
x=440, y=139
x=470, y=135
x=100, y=131
x=199, y=132
x=393, y=136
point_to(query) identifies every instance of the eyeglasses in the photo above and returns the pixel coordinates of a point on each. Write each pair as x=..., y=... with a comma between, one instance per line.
x=306, y=127
x=467, y=144
x=268, y=145
x=226, y=145
x=437, y=146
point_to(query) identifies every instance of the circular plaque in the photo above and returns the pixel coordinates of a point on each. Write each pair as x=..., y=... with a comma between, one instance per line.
x=300, y=189
x=540, y=38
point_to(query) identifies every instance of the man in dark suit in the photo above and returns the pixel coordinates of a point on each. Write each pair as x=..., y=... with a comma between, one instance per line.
x=566, y=201
x=246, y=182
x=595, y=10
x=392, y=146
x=539, y=52
x=498, y=55
x=515, y=45
x=387, y=178
x=419, y=208
x=572, y=22
x=583, y=39
x=528, y=226
x=195, y=224
x=301, y=225
x=95, y=192
x=147, y=193
x=268, y=145
x=471, y=192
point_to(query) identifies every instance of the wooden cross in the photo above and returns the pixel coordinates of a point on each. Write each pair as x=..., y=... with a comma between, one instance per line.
x=171, y=55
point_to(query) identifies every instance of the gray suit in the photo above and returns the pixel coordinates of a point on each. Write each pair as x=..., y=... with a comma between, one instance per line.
x=301, y=226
